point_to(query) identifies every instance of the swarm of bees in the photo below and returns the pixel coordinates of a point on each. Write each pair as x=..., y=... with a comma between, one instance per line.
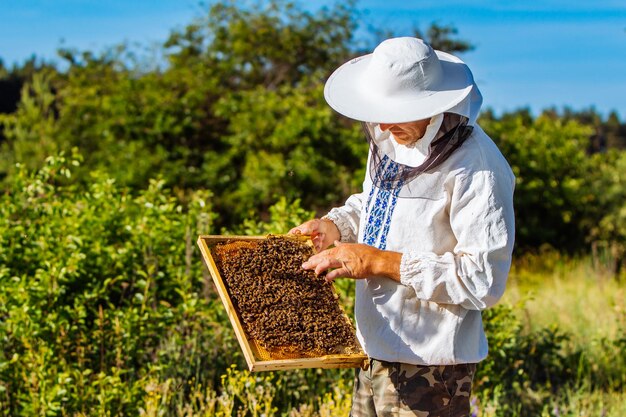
x=283, y=307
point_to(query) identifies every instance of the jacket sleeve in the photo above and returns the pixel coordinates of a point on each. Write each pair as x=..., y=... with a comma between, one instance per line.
x=475, y=273
x=347, y=217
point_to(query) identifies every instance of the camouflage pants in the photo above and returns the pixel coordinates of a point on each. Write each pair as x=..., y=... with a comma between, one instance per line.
x=389, y=389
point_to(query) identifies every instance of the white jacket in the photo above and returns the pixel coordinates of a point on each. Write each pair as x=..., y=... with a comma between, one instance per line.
x=455, y=229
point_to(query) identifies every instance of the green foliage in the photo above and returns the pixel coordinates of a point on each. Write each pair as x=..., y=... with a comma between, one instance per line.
x=101, y=290
x=283, y=142
x=520, y=364
x=525, y=369
x=282, y=217
x=552, y=194
x=237, y=110
x=269, y=44
x=31, y=129
x=610, y=207
x=441, y=38
x=106, y=309
x=564, y=197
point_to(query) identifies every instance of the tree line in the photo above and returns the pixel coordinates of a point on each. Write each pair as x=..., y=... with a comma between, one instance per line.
x=234, y=105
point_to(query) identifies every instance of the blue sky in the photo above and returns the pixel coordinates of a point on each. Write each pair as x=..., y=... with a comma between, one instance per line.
x=534, y=54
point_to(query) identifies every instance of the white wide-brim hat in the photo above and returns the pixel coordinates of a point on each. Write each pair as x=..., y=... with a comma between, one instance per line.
x=403, y=80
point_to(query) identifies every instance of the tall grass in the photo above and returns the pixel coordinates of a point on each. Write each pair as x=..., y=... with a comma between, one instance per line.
x=577, y=402
x=585, y=304
x=574, y=294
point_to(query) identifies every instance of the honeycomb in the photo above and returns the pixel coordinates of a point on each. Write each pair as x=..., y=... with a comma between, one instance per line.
x=287, y=312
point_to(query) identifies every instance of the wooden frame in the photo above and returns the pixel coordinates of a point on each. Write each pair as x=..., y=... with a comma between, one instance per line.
x=253, y=353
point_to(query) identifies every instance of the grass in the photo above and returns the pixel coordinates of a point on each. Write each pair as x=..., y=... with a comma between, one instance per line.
x=571, y=294
x=577, y=297
x=570, y=403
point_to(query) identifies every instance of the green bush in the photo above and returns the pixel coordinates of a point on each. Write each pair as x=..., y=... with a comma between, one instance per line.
x=104, y=302
x=552, y=170
x=101, y=291
x=526, y=370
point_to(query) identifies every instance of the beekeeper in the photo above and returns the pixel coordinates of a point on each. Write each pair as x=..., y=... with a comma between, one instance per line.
x=429, y=239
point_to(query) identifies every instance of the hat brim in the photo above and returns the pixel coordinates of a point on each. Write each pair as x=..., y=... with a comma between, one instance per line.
x=345, y=93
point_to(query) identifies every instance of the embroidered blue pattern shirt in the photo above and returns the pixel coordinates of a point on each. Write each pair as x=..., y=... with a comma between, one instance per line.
x=380, y=211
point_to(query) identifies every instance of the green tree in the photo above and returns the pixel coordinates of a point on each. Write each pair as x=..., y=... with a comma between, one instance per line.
x=442, y=38
x=13, y=79
x=105, y=303
x=553, y=193
x=99, y=291
x=31, y=130
x=608, y=230
x=269, y=44
x=182, y=121
x=615, y=132
x=286, y=143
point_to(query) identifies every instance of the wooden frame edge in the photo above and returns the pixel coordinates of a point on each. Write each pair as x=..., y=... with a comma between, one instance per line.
x=230, y=309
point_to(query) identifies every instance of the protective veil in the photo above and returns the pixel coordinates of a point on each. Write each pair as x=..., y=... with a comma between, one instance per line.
x=387, y=167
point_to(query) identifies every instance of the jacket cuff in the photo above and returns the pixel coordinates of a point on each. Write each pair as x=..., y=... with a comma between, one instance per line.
x=343, y=224
x=410, y=269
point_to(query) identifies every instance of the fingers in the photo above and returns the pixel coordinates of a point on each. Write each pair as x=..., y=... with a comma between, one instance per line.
x=337, y=273
x=328, y=261
x=310, y=227
x=318, y=242
x=321, y=263
x=316, y=237
x=300, y=230
x=324, y=265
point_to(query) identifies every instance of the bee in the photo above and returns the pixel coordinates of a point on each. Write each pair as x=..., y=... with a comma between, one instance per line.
x=282, y=306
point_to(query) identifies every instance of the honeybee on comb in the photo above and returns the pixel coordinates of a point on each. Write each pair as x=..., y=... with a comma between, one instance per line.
x=284, y=308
